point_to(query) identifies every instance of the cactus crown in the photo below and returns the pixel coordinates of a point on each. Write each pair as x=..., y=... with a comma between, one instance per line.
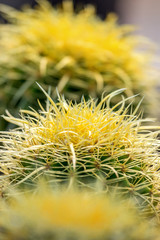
x=79, y=53
x=82, y=143
x=49, y=214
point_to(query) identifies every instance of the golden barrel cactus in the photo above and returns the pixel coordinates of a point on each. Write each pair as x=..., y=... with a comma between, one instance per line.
x=77, y=53
x=84, y=144
x=61, y=214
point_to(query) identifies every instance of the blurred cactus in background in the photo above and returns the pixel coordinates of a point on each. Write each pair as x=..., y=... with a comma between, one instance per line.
x=57, y=215
x=84, y=144
x=77, y=53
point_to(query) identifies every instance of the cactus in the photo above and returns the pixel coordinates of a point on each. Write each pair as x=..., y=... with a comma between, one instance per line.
x=78, y=53
x=73, y=214
x=84, y=144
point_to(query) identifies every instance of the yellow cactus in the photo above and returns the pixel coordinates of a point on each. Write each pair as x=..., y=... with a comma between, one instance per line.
x=82, y=144
x=77, y=53
x=61, y=214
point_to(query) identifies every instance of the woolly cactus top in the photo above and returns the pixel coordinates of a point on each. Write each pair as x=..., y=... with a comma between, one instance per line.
x=83, y=143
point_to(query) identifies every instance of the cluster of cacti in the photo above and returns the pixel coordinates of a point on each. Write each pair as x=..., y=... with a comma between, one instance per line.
x=98, y=155
x=77, y=53
x=83, y=144
x=78, y=215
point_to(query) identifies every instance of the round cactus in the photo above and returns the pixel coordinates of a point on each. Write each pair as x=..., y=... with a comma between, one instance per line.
x=77, y=53
x=84, y=144
x=57, y=215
